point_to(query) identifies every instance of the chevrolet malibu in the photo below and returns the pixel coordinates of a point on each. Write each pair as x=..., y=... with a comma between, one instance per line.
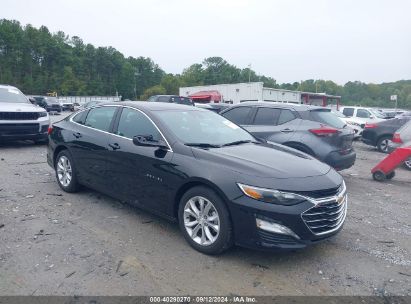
x=222, y=185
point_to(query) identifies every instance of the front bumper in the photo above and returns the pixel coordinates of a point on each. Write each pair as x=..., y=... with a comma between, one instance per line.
x=23, y=130
x=304, y=220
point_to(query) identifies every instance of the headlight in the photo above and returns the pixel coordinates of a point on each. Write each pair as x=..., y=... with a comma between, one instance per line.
x=42, y=114
x=271, y=196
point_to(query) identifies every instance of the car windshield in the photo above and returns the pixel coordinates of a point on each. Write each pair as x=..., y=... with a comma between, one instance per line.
x=377, y=114
x=339, y=114
x=203, y=128
x=328, y=118
x=12, y=95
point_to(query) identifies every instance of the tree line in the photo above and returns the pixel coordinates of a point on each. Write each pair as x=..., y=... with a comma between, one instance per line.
x=38, y=61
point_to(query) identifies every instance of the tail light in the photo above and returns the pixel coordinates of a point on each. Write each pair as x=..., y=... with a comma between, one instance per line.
x=397, y=138
x=370, y=125
x=49, y=130
x=324, y=131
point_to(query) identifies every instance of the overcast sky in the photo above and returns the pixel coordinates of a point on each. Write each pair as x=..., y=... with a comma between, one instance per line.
x=289, y=40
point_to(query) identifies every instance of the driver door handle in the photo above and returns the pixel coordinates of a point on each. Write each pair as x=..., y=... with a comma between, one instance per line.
x=287, y=130
x=77, y=134
x=114, y=146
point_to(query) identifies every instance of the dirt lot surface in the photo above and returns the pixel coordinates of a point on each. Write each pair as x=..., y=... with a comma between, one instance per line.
x=86, y=243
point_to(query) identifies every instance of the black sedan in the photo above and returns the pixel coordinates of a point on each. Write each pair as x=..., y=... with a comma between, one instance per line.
x=380, y=134
x=191, y=165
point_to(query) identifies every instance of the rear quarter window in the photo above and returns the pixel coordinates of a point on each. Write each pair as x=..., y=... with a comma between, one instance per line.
x=286, y=116
x=328, y=118
x=80, y=117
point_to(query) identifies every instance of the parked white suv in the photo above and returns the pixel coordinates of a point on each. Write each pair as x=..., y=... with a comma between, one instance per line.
x=359, y=116
x=19, y=119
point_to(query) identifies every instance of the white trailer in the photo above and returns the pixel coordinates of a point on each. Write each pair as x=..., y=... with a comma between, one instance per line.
x=250, y=91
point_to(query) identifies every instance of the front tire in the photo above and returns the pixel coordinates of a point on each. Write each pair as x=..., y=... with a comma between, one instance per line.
x=66, y=172
x=204, y=221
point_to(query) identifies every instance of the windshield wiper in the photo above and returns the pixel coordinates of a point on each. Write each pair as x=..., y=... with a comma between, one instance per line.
x=202, y=145
x=239, y=142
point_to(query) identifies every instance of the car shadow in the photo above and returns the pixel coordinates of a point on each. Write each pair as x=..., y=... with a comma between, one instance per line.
x=20, y=144
x=254, y=258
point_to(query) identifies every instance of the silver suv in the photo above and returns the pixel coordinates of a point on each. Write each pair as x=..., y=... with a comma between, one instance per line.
x=19, y=119
x=313, y=130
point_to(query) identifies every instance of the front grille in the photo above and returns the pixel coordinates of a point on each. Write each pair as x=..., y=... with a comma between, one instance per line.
x=327, y=215
x=18, y=129
x=19, y=116
x=320, y=193
x=274, y=239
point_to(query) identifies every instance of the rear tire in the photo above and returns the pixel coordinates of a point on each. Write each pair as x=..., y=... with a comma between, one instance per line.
x=204, y=221
x=66, y=172
x=382, y=144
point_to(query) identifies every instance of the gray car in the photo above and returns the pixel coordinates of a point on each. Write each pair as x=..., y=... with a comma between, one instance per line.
x=313, y=130
x=402, y=138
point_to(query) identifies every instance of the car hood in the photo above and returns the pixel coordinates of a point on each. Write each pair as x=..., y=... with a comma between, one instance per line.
x=19, y=107
x=264, y=160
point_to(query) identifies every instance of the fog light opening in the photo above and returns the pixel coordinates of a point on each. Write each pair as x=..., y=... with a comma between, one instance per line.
x=275, y=228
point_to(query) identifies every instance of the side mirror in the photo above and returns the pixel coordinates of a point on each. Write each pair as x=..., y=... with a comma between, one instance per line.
x=372, y=116
x=148, y=141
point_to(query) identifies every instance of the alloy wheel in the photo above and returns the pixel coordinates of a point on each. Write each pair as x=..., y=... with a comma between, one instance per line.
x=384, y=145
x=201, y=220
x=64, y=171
x=408, y=163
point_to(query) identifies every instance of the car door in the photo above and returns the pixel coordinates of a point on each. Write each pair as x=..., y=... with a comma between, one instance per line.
x=89, y=145
x=274, y=124
x=139, y=174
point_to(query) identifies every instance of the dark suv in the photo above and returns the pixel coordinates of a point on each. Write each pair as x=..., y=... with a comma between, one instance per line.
x=313, y=130
x=380, y=134
x=171, y=99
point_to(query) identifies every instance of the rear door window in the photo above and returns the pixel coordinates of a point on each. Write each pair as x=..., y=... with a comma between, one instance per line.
x=239, y=115
x=133, y=123
x=286, y=116
x=266, y=116
x=328, y=118
x=100, y=118
x=349, y=112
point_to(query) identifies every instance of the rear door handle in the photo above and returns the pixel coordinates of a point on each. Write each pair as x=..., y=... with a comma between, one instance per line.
x=77, y=134
x=287, y=130
x=114, y=146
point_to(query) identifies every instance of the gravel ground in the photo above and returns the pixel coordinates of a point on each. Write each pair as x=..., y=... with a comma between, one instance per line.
x=55, y=243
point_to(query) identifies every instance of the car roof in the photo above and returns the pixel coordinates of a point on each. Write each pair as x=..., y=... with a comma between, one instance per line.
x=297, y=107
x=153, y=106
x=6, y=86
x=172, y=96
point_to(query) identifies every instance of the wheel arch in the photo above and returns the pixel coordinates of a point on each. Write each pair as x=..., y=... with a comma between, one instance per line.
x=57, y=151
x=195, y=183
x=300, y=146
